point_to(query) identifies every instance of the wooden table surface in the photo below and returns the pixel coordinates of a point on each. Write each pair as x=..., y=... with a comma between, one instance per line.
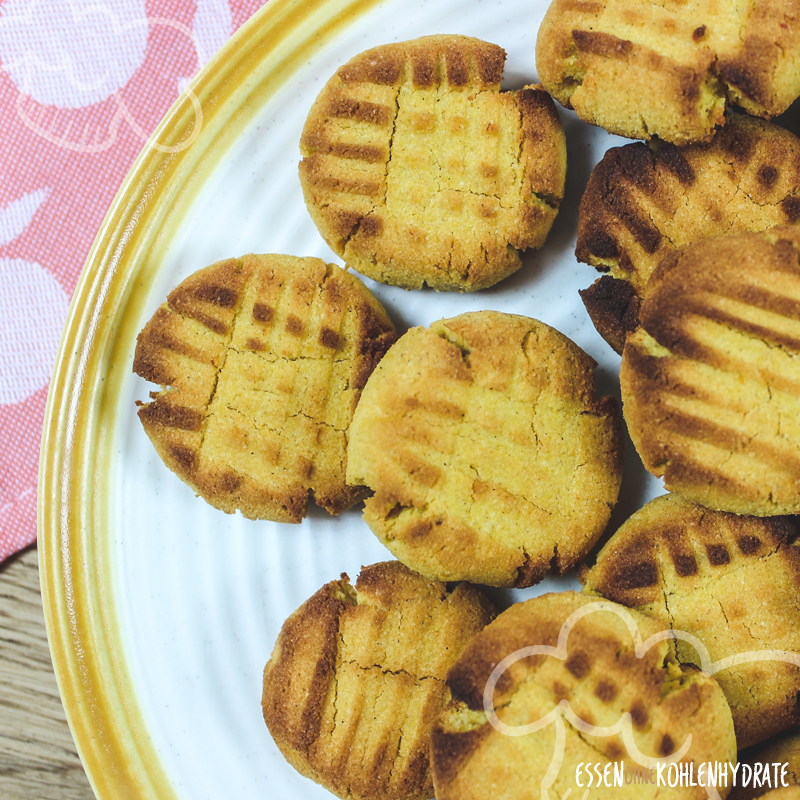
x=38, y=760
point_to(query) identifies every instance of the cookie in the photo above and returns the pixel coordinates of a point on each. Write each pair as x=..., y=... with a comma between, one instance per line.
x=731, y=581
x=783, y=750
x=711, y=379
x=418, y=171
x=592, y=673
x=668, y=69
x=490, y=455
x=642, y=202
x=784, y=793
x=262, y=360
x=357, y=679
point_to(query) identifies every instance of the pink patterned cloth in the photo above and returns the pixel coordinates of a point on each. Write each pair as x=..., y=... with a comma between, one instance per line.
x=82, y=85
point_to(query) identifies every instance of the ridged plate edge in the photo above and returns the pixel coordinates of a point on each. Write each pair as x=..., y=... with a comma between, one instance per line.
x=76, y=458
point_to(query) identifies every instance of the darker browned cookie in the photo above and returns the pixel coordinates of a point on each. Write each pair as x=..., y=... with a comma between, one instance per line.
x=669, y=69
x=357, y=679
x=731, y=581
x=642, y=202
x=782, y=793
x=782, y=750
x=711, y=380
x=262, y=360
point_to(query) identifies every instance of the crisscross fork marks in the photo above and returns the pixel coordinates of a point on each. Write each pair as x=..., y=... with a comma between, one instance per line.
x=271, y=375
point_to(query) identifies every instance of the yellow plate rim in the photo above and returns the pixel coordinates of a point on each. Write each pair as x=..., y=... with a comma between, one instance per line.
x=75, y=553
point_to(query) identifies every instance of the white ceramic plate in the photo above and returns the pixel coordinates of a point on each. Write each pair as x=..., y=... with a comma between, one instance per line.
x=161, y=610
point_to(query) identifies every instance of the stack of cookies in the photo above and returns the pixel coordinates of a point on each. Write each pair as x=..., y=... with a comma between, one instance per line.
x=483, y=450
x=695, y=233
x=641, y=203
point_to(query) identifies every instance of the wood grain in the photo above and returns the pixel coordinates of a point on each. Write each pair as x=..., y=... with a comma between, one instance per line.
x=37, y=754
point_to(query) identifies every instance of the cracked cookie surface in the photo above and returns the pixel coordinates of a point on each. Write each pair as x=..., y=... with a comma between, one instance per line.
x=262, y=360
x=491, y=457
x=711, y=380
x=357, y=679
x=643, y=202
x=669, y=68
x=418, y=170
x=732, y=581
x=596, y=670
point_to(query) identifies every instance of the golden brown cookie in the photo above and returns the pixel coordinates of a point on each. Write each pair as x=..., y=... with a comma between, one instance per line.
x=711, y=379
x=592, y=676
x=642, y=202
x=357, y=679
x=418, y=170
x=491, y=457
x=262, y=360
x=782, y=750
x=783, y=793
x=669, y=69
x=731, y=581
